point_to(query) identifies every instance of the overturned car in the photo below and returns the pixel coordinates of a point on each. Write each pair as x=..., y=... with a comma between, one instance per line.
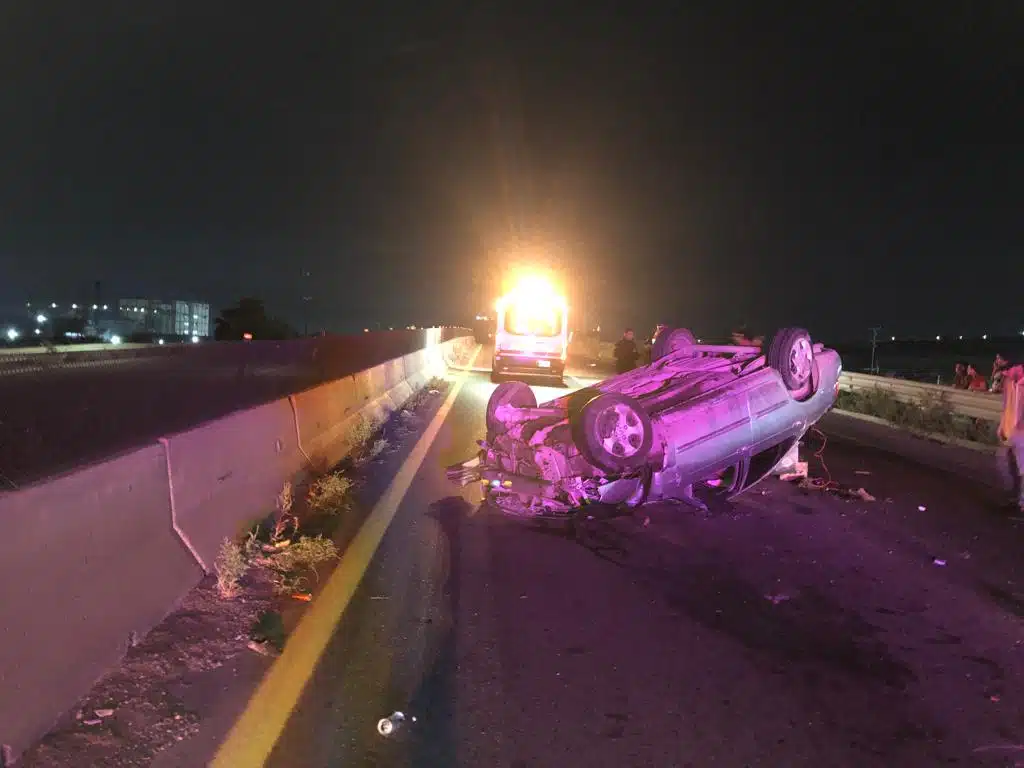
x=722, y=416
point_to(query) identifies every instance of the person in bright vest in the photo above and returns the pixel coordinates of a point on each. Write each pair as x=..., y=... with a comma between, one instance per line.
x=1011, y=432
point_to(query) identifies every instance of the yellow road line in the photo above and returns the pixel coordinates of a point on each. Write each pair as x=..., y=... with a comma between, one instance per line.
x=255, y=733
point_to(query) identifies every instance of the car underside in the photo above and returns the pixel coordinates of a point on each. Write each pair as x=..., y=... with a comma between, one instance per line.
x=698, y=415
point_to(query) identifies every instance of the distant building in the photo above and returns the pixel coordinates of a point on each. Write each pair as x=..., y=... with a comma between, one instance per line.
x=60, y=320
x=170, y=318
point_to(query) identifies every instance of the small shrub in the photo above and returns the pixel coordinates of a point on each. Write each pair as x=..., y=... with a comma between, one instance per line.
x=361, y=432
x=307, y=552
x=284, y=518
x=287, y=583
x=329, y=493
x=251, y=547
x=230, y=566
x=285, y=500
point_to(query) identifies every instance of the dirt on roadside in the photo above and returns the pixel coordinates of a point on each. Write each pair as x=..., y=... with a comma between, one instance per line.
x=140, y=710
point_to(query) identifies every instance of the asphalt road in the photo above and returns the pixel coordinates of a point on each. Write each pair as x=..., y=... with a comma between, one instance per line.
x=791, y=628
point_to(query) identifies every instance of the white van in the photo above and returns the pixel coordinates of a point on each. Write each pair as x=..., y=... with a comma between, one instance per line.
x=532, y=336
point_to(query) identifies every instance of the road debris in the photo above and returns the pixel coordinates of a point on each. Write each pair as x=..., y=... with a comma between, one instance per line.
x=799, y=471
x=388, y=725
x=939, y=562
x=103, y=712
x=845, y=492
x=263, y=649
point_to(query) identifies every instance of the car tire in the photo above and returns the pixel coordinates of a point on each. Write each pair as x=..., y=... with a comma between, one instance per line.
x=515, y=393
x=791, y=353
x=671, y=340
x=613, y=433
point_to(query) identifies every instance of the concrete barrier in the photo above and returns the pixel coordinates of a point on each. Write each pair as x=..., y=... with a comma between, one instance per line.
x=109, y=550
x=89, y=558
x=227, y=473
x=323, y=417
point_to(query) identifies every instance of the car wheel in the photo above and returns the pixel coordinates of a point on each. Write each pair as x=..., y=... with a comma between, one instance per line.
x=671, y=340
x=514, y=393
x=613, y=432
x=792, y=354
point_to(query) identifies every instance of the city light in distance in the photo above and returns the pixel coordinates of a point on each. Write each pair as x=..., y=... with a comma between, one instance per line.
x=40, y=318
x=12, y=334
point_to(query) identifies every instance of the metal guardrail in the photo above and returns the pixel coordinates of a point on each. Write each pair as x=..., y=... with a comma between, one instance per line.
x=976, y=405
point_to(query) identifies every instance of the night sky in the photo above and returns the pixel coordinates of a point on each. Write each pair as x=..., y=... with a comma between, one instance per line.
x=836, y=165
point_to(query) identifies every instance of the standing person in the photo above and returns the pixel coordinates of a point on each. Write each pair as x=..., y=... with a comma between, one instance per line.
x=744, y=337
x=960, y=380
x=999, y=368
x=975, y=381
x=626, y=353
x=1011, y=432
x=649, y=346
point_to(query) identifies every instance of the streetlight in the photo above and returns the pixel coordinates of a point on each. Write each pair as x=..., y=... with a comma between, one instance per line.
x=195, y=339
x=12, y=334
x=40, y=318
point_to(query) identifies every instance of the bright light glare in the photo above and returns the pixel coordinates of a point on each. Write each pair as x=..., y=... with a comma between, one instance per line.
x=40, y=319
x=159, y=341
x=984, y=337
x=38, y=332
x=195, y=339
x=532, y=307
x=115, y=339
x=12, y=334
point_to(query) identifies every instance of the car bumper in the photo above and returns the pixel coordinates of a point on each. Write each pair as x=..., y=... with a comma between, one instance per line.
x=538, y=366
